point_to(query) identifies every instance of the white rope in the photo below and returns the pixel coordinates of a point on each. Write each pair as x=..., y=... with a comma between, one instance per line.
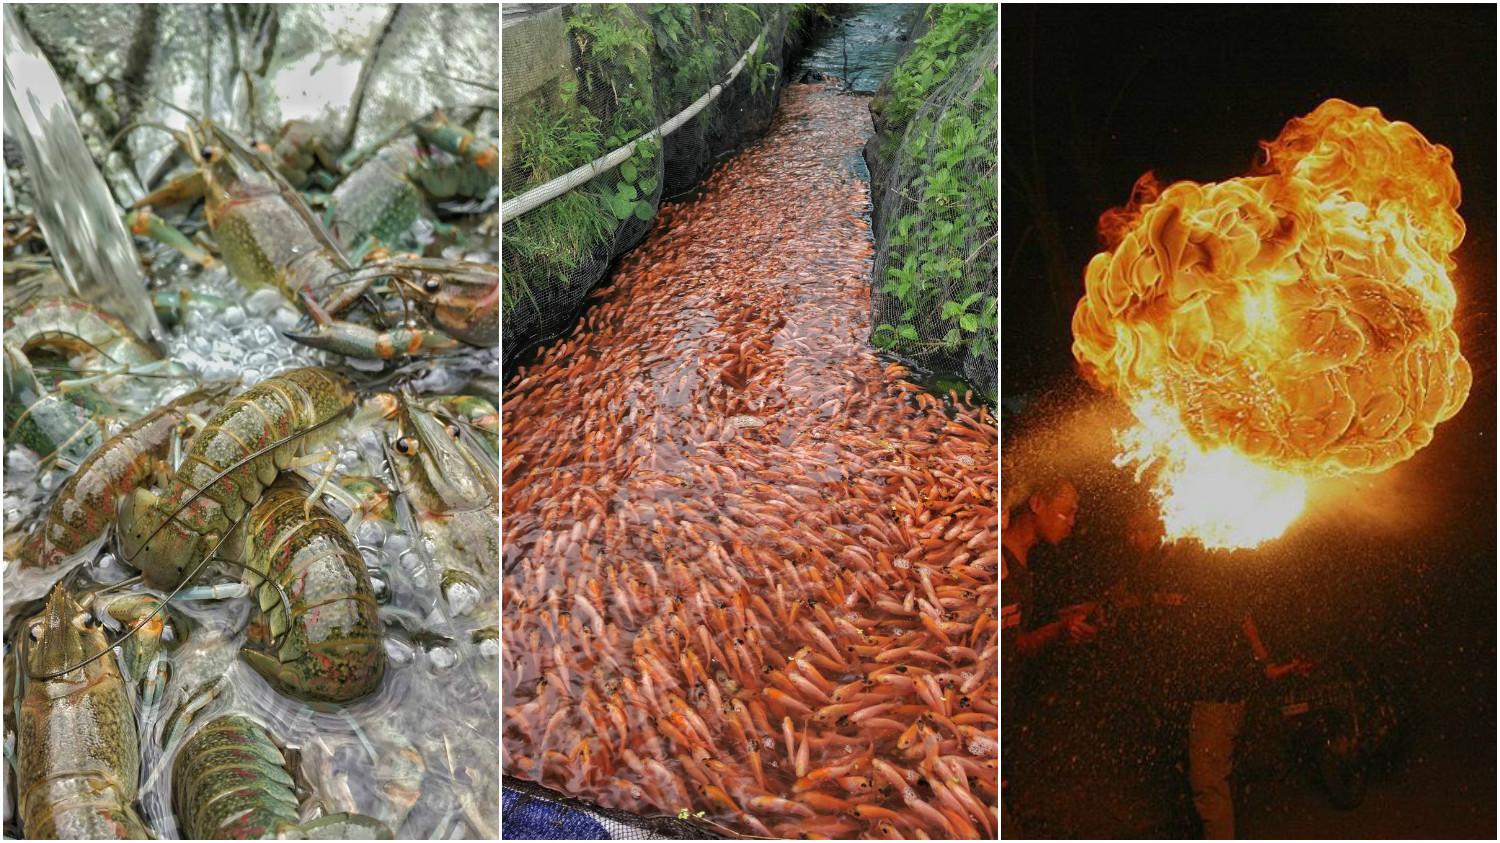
x=518, y=205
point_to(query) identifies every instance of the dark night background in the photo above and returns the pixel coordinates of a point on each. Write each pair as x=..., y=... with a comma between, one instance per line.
x=1401, y=580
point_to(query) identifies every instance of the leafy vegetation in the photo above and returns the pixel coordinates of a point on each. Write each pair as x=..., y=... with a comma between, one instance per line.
x=635, y=66
x=693, y=62
x=956, y=29
x=616, y=51
x=616, y=48
x=553, y=139
x=761, y=73
x=940, y=271
x=799, y=17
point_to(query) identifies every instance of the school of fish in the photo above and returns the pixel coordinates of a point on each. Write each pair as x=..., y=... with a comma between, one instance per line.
x=749, y=569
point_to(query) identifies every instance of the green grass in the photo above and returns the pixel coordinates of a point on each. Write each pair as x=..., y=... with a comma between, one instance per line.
x=938, y=295
x=543, y=245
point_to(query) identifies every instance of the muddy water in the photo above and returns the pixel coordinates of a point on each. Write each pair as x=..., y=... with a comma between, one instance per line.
x=750, y=568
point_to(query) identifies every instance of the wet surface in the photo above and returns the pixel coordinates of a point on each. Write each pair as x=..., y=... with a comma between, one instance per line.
x=750, y=569
x=375, y=684
x=862, y=45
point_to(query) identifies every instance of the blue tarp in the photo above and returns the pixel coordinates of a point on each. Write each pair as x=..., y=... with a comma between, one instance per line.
x=528, y=818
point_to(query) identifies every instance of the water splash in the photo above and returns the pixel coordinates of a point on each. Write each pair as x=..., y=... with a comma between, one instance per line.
x=87, y=240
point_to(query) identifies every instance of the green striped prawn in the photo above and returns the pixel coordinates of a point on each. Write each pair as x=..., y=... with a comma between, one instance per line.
x=272, y=426
x=230, y=782
x=328, y=646
x=78, y=753
x=85, y=506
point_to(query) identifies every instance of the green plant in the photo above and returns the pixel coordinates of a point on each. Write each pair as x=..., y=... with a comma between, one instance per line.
x=760, y=72
x=542, y=245
x=800, y=15
x=940, y=267
x=624, y=200
x=553, y=140
x=956, y=29
x=742, y=23
x=616, y=49
x=693, y=63
x=617, y=44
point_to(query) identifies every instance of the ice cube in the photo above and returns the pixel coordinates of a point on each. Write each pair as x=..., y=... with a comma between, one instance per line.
x=370, y=534
x=462, y=598
x=263, y=302
x=283, y=319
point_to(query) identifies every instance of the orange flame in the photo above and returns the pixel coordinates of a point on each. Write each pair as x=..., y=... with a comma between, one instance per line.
x=1300, y=317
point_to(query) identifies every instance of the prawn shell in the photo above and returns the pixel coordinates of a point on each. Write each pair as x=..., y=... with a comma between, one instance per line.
x=276, y=415
x=377, y=199
x=330, y=648
x=78, y=754
x=230, y=783
x=85, y=506
x=75, y=327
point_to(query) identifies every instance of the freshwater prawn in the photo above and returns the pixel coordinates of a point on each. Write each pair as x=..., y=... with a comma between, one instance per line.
x=85, y=506
x=270, y=427
x=77, y=749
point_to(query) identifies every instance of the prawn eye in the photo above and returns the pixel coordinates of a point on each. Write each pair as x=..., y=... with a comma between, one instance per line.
x=406, y=445
x=12, y=227
x=432, y=285
x=453, y=430
x=35, y=633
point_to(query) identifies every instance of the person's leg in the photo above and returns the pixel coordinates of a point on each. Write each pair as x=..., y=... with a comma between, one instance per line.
x=1211, y=733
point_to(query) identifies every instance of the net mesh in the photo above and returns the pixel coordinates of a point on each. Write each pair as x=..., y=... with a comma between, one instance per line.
x=632, y=67
x=933, y=175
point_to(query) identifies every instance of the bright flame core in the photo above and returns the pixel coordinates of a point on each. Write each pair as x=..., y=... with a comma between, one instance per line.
x=1294, y=323
x=1221, y=498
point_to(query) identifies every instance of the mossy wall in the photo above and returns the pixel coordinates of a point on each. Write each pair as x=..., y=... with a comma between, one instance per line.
x=630, y=68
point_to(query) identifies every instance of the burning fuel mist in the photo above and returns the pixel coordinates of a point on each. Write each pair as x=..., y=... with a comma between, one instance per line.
x=1293, y=324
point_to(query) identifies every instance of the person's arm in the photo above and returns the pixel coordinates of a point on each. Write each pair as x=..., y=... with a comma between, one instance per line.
x=1263, y=656
x=1252, y=634
x=1028, y=644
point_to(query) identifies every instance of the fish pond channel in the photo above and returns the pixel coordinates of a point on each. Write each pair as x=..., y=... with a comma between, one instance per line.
x=750, y=569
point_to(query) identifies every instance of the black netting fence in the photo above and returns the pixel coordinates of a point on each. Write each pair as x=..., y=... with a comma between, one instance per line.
x=933, y=180
x=629, y=68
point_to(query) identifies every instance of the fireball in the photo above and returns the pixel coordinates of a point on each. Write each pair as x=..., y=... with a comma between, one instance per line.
x=1291, y=324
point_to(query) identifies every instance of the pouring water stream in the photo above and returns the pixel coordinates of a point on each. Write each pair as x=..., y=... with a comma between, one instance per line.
x=87, y=239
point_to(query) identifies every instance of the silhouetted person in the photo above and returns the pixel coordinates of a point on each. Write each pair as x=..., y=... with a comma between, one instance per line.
x=1046, y=514
x=1201, y=630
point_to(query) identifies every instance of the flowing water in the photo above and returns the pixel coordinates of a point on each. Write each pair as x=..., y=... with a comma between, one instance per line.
x=89, y=244
x=862, y=44
x=750, y=568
